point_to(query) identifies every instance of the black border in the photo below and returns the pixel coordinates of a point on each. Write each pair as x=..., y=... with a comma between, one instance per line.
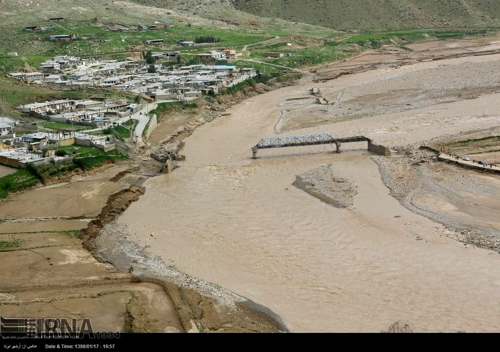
x=150, y=341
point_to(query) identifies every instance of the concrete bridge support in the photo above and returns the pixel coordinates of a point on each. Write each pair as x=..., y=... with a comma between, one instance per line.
x=254, y=153
x=338, y=144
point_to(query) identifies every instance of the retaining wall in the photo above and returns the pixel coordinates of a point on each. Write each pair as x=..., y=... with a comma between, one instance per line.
x=89, y=143
x=153, y=123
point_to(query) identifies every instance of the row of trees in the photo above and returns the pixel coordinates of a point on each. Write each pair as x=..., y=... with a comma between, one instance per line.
x=207, y=39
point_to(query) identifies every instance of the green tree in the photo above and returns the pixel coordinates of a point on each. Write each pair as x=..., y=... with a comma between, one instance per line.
x=151, y=69
x=149, y=57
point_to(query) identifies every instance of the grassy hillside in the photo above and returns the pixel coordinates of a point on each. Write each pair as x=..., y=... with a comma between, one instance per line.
x=92, y=19
x=188, y=19
x=379, y=14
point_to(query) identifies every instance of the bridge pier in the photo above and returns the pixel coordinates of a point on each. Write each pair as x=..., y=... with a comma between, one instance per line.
x=338, y=144
x=254, y=153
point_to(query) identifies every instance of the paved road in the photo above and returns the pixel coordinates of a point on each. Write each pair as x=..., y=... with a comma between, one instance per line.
x=140, y=115
x=143, y=118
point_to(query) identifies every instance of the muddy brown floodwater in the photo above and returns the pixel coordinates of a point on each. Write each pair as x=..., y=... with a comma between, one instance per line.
x=240, y=223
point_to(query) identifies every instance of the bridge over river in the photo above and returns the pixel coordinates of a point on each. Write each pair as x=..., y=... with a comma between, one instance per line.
x=315, y=139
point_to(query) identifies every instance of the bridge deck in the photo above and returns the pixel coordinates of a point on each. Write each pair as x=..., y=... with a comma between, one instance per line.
x=315, y=139
x=312, y=139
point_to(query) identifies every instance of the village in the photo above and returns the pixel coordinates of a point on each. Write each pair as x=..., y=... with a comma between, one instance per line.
x=152, y=83
x=153, y=79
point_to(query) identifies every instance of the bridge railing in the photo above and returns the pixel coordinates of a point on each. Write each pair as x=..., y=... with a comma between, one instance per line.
x=291, y=141
x=311, y=139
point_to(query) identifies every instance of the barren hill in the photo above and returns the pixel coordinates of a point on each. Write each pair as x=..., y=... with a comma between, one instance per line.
x=379, y=14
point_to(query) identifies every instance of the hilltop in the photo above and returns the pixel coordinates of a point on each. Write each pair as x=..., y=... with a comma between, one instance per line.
x=379, y=14
x=257, y=14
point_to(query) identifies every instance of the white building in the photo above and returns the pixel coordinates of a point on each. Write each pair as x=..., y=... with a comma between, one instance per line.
x=5, y=129
x=8, y=121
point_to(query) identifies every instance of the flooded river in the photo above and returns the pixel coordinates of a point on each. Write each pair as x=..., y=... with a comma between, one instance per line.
x=240, y=223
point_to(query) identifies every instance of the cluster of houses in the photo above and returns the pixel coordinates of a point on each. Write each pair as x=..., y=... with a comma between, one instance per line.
x=166, y=83
x=20, y=151
x=81, y=112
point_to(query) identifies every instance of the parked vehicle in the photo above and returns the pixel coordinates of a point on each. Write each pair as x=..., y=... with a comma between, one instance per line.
x=466, y=158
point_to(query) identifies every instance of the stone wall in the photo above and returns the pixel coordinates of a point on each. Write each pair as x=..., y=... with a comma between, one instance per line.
x=36, y=163
x=119, y=145
x=61, y=161
x=67, y=141
x=107, y=147
x=89, y=143
x=84, y=142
